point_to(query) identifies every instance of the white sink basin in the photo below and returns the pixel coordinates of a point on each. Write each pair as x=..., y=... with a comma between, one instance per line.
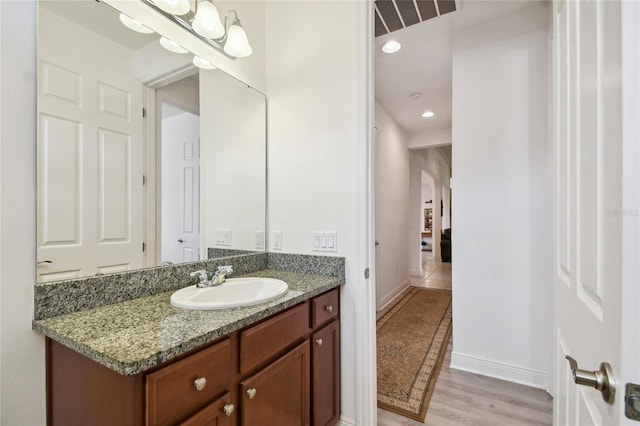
x=234, y=292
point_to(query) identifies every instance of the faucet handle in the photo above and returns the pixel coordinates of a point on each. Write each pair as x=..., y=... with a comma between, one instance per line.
x=227, y=270
x=201, y=274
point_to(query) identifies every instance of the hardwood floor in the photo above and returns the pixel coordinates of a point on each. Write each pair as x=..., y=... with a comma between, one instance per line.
x=462, y=398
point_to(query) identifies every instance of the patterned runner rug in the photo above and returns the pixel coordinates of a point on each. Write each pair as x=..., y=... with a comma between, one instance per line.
x=411, y=342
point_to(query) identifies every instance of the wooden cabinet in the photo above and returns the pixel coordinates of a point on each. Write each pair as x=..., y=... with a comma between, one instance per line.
x=279, y=393
x=284, y=370
x=325, y=389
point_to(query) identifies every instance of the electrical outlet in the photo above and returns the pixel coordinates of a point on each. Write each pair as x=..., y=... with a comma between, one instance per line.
x=324, y=241
x=277, y=240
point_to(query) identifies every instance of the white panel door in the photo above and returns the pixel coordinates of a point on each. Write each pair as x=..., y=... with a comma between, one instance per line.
x=90, y=166
x=589, y=286
x=190, y=201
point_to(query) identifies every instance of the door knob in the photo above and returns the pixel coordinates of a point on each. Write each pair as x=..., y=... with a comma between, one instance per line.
x=602, y=379
x=228, y=409
x=180, y=240
x=377, y=243
x=251, y=393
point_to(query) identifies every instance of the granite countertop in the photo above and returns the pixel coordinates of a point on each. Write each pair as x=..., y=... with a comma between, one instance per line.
x=133, y=336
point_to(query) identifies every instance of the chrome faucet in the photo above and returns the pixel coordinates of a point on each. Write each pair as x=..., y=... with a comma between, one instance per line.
x=218, y=278
x=220, y=275
x=203, y=278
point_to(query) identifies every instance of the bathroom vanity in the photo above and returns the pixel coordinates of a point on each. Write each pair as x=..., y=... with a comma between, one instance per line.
x=144, y=362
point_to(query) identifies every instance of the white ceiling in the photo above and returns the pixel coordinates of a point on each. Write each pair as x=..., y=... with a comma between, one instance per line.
x=423, y=65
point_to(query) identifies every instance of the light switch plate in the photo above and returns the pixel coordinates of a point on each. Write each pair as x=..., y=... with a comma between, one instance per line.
x=324, y=241
x=259, y=240
x=277, y=240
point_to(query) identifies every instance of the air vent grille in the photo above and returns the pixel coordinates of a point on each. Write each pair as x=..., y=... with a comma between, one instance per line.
x=393, y=15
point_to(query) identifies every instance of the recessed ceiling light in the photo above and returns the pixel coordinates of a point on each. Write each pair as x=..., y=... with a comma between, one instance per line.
x=428, y=114
x=391, y=46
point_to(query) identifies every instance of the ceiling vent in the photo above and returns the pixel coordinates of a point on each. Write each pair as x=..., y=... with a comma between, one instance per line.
x=394, y=15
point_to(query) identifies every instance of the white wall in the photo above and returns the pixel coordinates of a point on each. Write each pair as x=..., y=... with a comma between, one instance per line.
x=430, y=139
x=22, y=375
x=313, y=80
x=392, y=208
x=502, y=216
x=233, y=155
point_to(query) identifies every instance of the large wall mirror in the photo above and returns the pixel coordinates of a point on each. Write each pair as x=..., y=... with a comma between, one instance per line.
x=143, y=158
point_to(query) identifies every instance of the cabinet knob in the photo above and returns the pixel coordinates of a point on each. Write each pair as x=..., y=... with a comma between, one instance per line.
x=200, y=383
x=251, y=393
x=228, y=409
x=319, y=342
x=328, y=308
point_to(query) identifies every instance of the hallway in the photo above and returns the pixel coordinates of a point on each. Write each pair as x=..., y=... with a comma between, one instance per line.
x=467, y=398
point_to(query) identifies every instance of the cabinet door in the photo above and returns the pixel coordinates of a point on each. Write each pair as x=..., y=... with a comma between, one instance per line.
x=220, y=412
x=325, y=361
x=279, y=394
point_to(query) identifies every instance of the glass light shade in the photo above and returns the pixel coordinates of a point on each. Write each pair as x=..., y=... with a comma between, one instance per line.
x=134, y=25
x=428, y=114
x=176, y=7
x=207, y=20
x=237, y=43
x=203, y=64
x=172, y=46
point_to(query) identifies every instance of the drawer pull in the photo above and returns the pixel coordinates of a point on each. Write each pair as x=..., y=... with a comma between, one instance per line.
x=251, y=393
x=328, y=308
x=228, y=409
x=200, y=383
x=319, y=342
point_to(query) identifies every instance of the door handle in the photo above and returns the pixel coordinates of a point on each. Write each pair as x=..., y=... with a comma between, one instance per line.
x=602, y=379
x=180, y=240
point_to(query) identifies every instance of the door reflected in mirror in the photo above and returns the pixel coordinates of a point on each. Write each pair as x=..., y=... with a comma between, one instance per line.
x=143, y=159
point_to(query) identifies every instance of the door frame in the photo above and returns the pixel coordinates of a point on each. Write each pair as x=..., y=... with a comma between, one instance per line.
x=153, y=161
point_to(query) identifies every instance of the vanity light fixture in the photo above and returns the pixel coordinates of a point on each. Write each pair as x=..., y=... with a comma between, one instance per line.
x=172, y=46
x=134, y=25
x=207, y=20
x=237, y=43
x=428, y=114
x=203, y=64
x=392, y=46
x=205, y=23
x=175, y=7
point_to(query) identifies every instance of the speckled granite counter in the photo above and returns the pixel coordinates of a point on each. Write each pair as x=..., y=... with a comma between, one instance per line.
x=133, y=336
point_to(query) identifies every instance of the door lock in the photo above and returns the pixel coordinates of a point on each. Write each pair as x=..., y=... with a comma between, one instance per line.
x=601, y=379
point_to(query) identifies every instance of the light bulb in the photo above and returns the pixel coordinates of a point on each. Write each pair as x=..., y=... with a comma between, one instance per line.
x=207, y=20
x=392, y=46
x=134, y=25
x=237, y=43
x=172, y=46
x=428, y=114
x=203, y=64
x=176, y=7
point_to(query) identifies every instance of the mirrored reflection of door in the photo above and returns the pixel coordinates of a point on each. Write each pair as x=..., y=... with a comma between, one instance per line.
x=180, y=185
x=90, y=161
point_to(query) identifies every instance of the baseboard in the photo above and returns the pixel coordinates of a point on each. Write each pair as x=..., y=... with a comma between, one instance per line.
x=346, y=421
x=499, y=370
x=392, y=298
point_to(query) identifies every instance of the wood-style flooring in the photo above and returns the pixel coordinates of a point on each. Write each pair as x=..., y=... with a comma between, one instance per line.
x=462, y=398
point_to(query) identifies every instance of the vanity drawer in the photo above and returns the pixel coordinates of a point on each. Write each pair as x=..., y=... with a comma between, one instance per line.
x=172, y=392
x=262, y=341
x=325, y=307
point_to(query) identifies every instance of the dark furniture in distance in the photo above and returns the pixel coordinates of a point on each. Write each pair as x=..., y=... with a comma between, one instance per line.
x=445, y=245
